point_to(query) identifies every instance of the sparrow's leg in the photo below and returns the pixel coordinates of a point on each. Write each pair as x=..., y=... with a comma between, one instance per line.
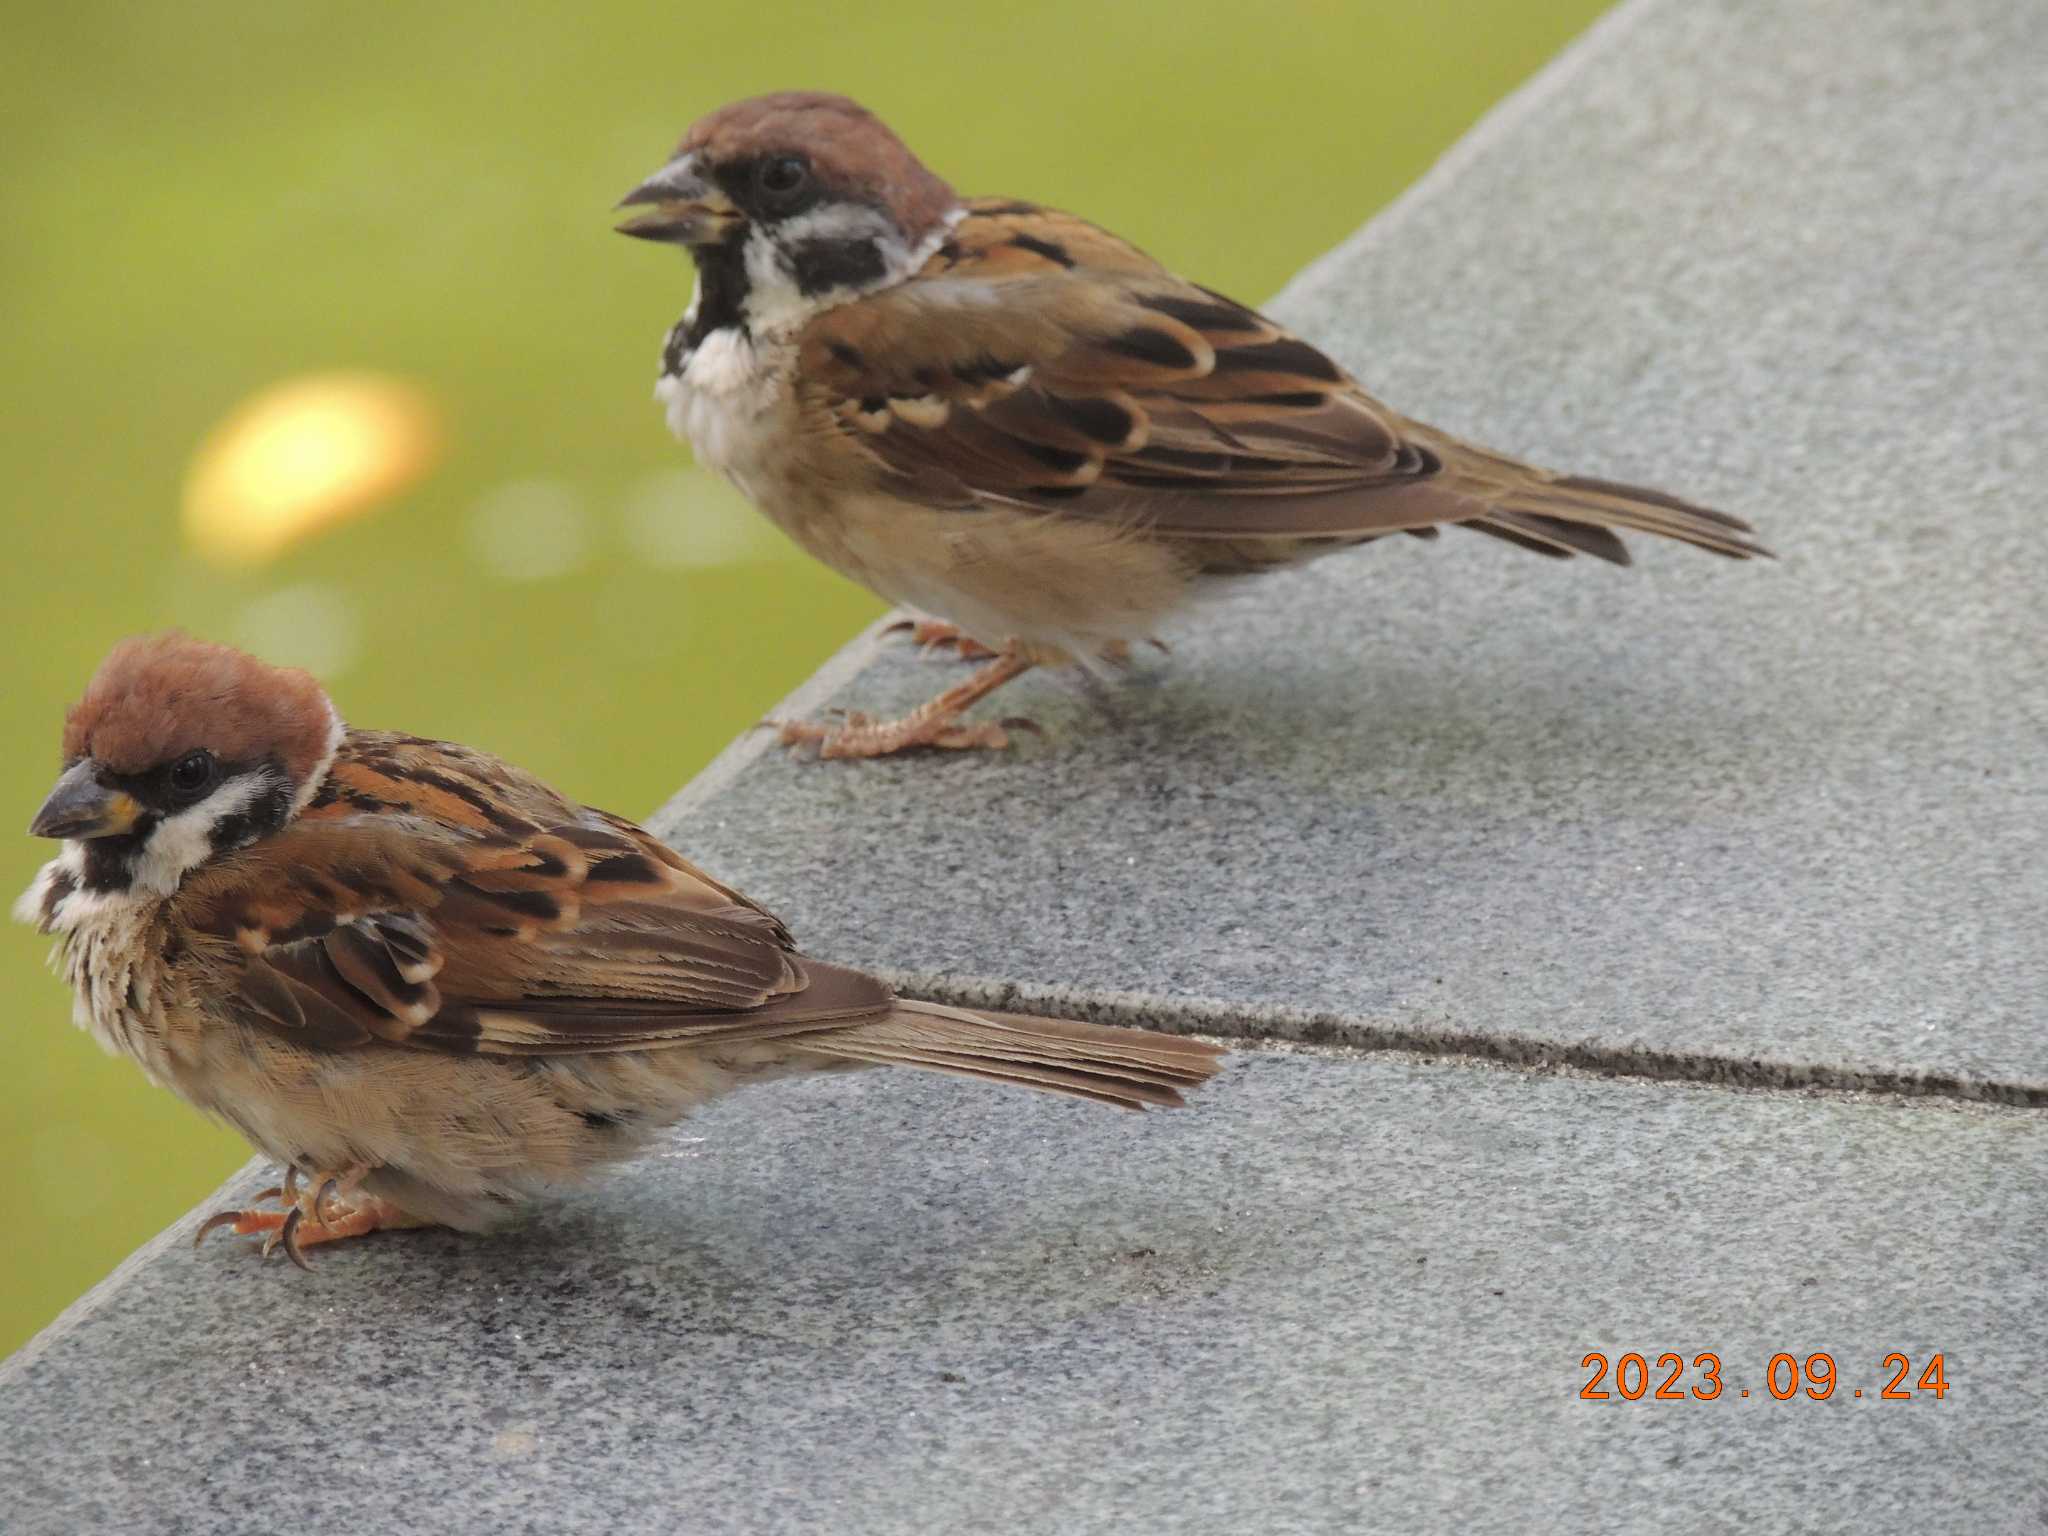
x=936, y=723
x=323, y=1209
x=933, y=634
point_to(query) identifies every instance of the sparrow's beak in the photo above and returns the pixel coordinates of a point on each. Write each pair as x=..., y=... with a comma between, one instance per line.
x=80, y=806
x=684, y=207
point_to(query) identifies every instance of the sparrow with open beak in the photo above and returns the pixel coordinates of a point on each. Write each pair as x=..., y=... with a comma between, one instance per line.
x=1011, y=420
x=426, y=983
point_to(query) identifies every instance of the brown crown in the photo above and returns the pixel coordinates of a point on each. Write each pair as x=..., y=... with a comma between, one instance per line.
x=853, y=152
x=157, y=697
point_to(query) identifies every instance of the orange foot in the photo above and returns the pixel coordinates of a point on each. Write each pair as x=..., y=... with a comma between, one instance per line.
x=935, y=634
x=936, y=723
x=857, y=735
x=323, y=1209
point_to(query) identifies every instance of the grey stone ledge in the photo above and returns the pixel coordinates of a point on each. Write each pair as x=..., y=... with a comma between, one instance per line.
x=1667, y=833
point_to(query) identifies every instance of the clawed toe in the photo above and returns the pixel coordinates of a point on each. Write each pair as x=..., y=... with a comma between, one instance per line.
x=938, y=724
x=309, y=1212
x=854, y=734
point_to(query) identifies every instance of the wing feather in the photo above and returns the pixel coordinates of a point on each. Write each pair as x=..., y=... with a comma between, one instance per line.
x=1039, y=362
x=438, y=899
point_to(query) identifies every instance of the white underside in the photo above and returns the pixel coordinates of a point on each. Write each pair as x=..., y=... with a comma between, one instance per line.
x=733, y=399
x=99, y=934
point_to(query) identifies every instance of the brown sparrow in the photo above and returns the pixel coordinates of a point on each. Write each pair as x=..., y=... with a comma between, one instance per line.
x=425, y=982
x=1008, y=418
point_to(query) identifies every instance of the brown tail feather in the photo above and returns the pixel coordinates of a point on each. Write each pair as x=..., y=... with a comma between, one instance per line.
x=1559, y=514
x=1552, y=536
x=1130, y=1068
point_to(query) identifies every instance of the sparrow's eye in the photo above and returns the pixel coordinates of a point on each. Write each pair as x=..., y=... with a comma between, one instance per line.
x=193, y=774
x=783, y=180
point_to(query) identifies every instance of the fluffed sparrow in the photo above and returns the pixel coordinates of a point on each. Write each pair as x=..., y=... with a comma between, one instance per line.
x=425, y=982
x=1008, y=418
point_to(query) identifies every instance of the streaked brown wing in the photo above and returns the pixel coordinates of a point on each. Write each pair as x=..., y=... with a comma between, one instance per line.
x=1040, y=362
x=436, y=898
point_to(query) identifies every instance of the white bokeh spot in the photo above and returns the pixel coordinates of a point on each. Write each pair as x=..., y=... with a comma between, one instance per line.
x=312, y=626
x=683, y=519
x=530, y=530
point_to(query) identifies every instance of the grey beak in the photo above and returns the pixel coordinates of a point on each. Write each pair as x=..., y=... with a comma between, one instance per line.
x=684, y=207
x=82, y=807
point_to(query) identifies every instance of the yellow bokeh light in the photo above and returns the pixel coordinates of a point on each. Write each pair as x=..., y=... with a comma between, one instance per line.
x=302, y=455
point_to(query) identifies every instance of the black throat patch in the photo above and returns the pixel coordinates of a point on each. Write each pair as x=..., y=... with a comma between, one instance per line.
x=721, y=301
x=110, y=861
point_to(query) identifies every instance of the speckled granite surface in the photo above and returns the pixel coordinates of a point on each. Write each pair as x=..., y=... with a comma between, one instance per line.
x=1765, y=824
x=1335, y=1295
x=1776, y=819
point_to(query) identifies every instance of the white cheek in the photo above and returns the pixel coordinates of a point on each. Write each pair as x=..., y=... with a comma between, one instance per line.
x=183, y=842
x=773, y=301
x=730, y=398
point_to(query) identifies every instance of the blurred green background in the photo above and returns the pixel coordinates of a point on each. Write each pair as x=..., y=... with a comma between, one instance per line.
x=202, y=200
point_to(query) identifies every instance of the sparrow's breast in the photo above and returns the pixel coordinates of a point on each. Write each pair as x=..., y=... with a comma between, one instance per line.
x=110, y=947
x=1065, y=587
x=729, y=398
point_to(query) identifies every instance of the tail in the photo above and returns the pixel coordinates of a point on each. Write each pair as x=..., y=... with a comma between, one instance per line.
x=1563, y=515
x=1130, y=1068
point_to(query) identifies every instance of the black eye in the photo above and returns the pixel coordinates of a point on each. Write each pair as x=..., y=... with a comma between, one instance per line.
x=193, y=774
x=784, y=179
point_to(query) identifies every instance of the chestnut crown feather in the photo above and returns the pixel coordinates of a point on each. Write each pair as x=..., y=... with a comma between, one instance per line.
x=157, y=697
x=853, y=153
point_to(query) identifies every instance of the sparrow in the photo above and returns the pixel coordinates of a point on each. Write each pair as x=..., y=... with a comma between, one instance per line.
x=426, y=983
x=1011, y=420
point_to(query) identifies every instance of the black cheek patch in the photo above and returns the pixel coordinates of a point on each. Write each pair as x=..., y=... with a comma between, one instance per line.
x=263, y=815
x=822, y=266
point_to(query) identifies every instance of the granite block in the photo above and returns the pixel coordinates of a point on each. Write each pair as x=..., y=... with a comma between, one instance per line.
x=1333, y=1294
x=1635, y=883
x=1778, y=822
